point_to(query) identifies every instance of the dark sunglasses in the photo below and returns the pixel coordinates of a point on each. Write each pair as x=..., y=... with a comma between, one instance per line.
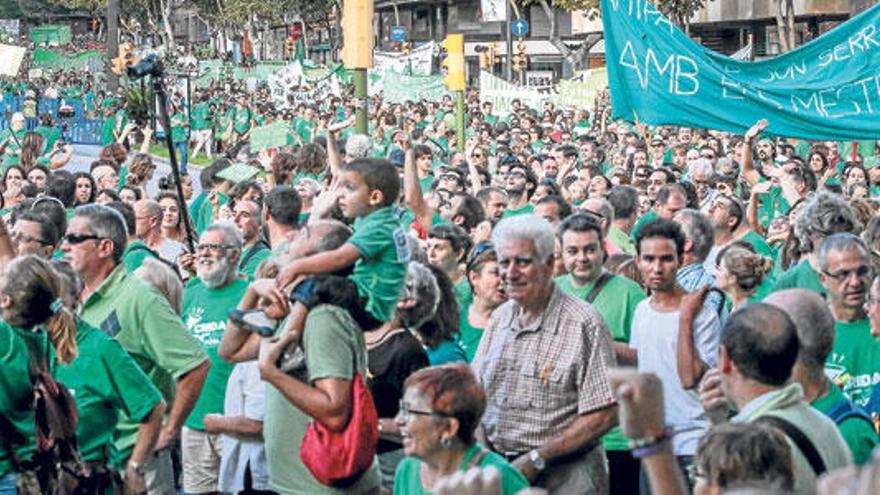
x=80, y=238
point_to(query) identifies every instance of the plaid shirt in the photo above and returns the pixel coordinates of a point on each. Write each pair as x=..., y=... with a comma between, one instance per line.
x=539, y=378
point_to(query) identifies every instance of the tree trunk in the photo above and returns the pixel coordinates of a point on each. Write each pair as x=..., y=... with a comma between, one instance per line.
x=576, y=58
x=785, y=25
x=166, y=20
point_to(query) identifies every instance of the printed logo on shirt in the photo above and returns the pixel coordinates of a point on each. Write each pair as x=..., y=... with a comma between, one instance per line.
x=111, y=325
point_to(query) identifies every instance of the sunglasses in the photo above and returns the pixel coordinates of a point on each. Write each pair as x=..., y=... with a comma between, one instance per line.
x=71, y=238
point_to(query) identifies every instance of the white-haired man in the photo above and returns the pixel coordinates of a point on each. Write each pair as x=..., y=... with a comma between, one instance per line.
x=543, y=362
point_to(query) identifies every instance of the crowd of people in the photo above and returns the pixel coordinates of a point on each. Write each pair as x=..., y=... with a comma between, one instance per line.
x=459, y=311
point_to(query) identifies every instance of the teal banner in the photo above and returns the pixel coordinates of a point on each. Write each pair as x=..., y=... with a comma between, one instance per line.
x=828, y=89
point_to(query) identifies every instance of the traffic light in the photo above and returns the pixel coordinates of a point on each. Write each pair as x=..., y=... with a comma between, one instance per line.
x=520, y=60
x=454, y=62
x=289, y=45
x=492, y=50
x=357, y=34
x=404, y=46
x=124, y=59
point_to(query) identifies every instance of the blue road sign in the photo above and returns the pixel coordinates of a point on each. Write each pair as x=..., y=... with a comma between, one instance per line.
x=398, y=33
x=519, y=27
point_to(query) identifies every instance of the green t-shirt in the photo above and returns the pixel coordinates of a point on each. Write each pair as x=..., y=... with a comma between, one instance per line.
x=104, y=380
x=622, y=240
x=304, y=129
x=528, y=208
x=50, y=135
x=469, y=336
x=616, y=303
x=643, y=220
x=204, y=218
x=448, y=351
x=107, y=128
x=334, y=348
x=463, y=294
x=16, y=394
x=200, y=115
x=178, y=128
x=772, y=204
x=801, y=276
x=205, y=313
x=10, y=154
x=854, y=363
x=252, y=257
x=380, y=271
x=858, y=433
x=142, y=321
x=408, y=479
x=134, y=255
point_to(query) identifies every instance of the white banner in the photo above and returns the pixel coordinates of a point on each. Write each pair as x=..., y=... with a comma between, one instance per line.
x=493, y=10
x=500, y=93
x=10, y=59
x=418, y=60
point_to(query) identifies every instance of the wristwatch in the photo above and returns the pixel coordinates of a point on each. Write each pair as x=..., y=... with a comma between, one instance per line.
x=537, y=460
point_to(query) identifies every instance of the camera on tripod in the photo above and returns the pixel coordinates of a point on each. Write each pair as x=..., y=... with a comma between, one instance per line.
x=151, y=65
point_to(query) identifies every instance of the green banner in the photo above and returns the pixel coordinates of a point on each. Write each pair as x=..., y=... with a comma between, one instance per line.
x=580, y=93
x=51, y=34
x=269, y=136
x=399, y=88
x=90, y=60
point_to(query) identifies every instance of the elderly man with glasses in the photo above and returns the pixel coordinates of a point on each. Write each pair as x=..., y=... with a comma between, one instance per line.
x=846, y=272
x=142, y=321
x=206, y=302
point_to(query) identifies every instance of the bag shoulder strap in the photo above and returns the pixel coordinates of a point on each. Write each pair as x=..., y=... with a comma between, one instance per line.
x=600, y=284
x=256, y=248
x=800, y=439
x=169, y=264
x=844, y=409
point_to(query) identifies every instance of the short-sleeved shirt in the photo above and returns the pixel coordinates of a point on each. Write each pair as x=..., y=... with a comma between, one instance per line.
x=104, y=380
x=142, y=321
x=622, y=240
x=802, y=276
x=245, y=397
x=205, y=311
x=200, y=117
x=408, y=479
x=528, y=208
x=242, y=120
x=252, y=257
x=16, y=395
x=858, y=433
x=334, y=348
x=380, y=272
x=448, y=351
x=540, y=378
x=469, y=336
x=854, y=362
x=655, y=339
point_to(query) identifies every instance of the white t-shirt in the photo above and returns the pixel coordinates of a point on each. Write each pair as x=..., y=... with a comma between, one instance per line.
x=170, y=250
x=655, y=339
x=244, y=397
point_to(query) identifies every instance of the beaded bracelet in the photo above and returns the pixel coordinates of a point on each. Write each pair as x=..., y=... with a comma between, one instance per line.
x=646, y=446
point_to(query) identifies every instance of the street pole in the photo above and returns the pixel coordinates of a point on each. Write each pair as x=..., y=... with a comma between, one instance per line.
x=508, y=39
x=459, y=120
x=360, y=96
x=112, y=42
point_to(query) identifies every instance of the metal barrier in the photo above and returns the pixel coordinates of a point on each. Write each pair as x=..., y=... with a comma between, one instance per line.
x=78, y=129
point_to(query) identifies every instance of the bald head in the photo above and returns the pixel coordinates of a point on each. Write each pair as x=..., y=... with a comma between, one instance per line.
x=813, y=322
x=762, y=342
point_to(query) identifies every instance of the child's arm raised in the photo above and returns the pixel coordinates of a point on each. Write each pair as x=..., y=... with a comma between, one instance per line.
x=323, y=262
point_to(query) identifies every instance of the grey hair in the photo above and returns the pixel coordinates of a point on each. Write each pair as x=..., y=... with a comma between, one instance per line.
x=527, y=227
x=825, y=214
x=703, y=165
x=357, y=146
x=625, y=200
x=814, y=324
x=231, y=235
x=606, y=209
x=843, y=241
x=152, y=207
x=697, y=228
x=107, y=223
x=336, y=236
x=161, y=277
x=420, y=286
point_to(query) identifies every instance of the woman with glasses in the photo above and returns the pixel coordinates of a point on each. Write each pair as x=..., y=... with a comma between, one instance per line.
x=439, y=412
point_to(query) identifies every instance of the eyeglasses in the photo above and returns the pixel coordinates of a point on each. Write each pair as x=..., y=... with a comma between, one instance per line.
x=406, y=412
x=19, y=237
x=862, y=272
x=516, y=175
x=71, y=238
x=217, y=248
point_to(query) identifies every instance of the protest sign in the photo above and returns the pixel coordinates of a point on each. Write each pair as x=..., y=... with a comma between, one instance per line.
x=269, y=136
x=826, y=89
x=51, y=34
x=10, y=59
x=399, y=88
x=417, y=61
x=10, y=26
x=580, y=93
x=500, y=93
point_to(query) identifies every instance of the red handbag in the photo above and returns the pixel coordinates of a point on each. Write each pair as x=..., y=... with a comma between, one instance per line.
x=338, y=459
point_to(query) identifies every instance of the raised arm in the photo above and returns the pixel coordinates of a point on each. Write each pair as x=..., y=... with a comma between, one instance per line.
x=751, y=175
x=412, y=190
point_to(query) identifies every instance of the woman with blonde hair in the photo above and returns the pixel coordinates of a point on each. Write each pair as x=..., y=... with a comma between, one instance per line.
x=741, y=273
x=140, y=171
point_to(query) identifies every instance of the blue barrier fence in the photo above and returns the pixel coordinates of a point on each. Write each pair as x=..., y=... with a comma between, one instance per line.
x=77, y=129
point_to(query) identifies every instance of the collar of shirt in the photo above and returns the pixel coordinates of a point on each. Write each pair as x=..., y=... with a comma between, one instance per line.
x=113, y=280
x=549, y=318
x=774, y=399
